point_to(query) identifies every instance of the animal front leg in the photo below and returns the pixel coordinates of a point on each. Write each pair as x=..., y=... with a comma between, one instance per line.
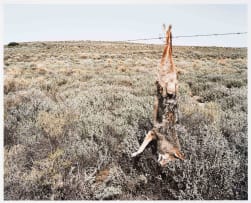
x=149, y=137
x=155, y=111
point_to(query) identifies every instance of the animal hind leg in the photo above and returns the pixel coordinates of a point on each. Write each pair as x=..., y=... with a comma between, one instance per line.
x=149, y=137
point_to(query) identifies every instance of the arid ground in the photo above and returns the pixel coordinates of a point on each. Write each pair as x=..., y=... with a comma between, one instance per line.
x=75, y=111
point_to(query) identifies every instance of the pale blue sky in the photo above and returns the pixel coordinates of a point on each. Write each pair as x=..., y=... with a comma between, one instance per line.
x=122, y=22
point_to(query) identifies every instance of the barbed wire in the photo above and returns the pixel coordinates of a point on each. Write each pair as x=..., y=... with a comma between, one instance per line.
x=185, y=36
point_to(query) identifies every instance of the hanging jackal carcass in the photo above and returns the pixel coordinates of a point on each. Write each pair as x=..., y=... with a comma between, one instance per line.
x=165, y=109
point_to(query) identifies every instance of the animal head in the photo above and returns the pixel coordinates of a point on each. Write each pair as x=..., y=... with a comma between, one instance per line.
x=165, y=158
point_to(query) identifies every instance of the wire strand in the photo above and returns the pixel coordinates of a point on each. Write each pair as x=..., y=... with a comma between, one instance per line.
x=185, y=36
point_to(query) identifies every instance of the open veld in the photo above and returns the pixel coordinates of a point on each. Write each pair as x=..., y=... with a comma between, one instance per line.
x=75, y=111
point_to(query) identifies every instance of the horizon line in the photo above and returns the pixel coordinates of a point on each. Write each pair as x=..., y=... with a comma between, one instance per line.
x=122, y=42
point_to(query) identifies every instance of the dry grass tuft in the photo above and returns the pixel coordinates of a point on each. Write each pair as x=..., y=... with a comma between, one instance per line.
x=14, y=84
x=52, y=124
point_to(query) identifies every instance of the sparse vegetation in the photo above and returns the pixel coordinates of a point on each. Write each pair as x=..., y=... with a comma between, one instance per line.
x=75, y=111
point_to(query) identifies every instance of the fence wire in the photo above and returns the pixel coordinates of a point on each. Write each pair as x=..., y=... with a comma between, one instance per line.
x=186, y=36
